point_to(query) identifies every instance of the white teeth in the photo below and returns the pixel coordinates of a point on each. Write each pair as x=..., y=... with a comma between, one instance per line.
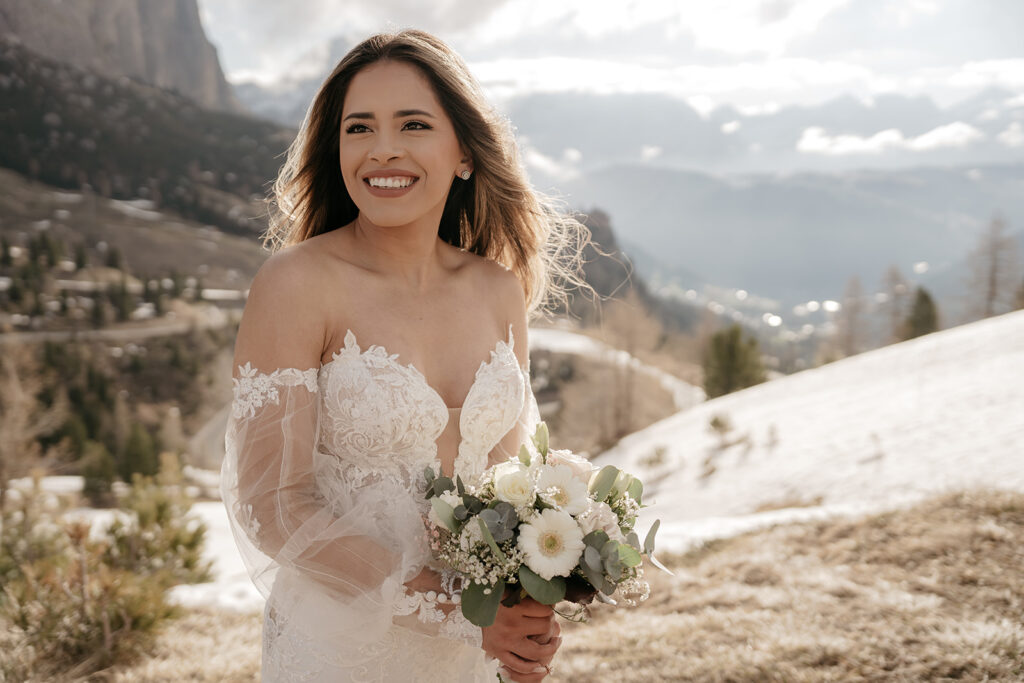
x=391, y=181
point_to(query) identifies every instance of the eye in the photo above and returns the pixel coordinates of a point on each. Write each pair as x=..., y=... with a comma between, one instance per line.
x=415, y=125
x=356, y=128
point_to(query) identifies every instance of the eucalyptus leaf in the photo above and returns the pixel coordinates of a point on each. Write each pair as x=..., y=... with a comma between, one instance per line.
x=428, y=474
x=473, y=504
x=633, y=540
x=591, y=559
x=459, y=486
x=461, y=513
x=443, y=484
x=649, y=541
x=596, y=538
x=601, y=483
x=628, y=556
x=509, y=517
x=612, y=564
x=445, y=513
x=594, y=576
x=544, y=591
x=636, y=489
x=490, y=540
x=481, y=607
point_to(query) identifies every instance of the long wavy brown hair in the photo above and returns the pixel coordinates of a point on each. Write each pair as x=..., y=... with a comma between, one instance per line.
x=495, y=214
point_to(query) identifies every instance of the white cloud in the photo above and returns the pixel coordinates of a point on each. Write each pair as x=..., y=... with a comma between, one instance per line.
x=730, y=127
x=1013, y=136
x=650, y=152
x=816, y=140
x=552, y=168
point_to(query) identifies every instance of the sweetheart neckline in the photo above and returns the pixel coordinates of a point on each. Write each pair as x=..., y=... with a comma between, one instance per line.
x=395, y=359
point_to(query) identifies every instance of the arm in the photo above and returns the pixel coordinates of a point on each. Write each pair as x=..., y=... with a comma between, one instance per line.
x=358, y=557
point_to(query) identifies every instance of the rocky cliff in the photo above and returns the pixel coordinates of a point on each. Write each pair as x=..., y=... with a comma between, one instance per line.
x=160, y=42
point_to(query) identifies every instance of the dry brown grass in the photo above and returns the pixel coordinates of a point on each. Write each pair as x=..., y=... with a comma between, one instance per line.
x=203, y=646
x=932, y=593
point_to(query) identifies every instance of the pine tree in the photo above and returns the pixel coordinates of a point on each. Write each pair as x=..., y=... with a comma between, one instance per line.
x=994, y=268
x=731, y=362
x=1019, y=303
x=81, y=257
x=923, y=318
x=5, y=253
x=139, y=454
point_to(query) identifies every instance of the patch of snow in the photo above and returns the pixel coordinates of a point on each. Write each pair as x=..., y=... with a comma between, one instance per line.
x=141, y=209
x=937, y=413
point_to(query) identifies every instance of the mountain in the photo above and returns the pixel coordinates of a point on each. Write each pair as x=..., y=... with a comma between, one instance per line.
x=906, y=420
x=125, y=139
x=161, y=43
x=799, y=237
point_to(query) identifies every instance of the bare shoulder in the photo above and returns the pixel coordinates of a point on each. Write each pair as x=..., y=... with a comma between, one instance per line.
x=499, y=282
x=283, y=322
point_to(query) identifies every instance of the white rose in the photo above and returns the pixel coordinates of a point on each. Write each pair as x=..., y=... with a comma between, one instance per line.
x=602, y=517
x=512, y=484
x=581, y=468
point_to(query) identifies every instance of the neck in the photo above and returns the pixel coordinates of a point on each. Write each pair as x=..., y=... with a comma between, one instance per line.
x=410, y=253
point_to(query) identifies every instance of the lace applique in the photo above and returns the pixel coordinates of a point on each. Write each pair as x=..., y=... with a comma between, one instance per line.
x=423, y=605
x=254, y=389
x=458, y=627
x=492, y=407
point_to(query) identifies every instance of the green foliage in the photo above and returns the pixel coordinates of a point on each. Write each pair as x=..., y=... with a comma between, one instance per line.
x=139, y=454
x=923, y=318
x=731, y=362
x=99, y=469
x=5, y=253
x=158, y=539
x=75, y=602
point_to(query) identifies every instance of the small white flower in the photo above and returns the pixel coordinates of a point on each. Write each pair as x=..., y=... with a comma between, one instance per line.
x=552, y=543
x=602, y=517
x=471, y=536
x=512, y=484
x=559, y=486
x=581, y=467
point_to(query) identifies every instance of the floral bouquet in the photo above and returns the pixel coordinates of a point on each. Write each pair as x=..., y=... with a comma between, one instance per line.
x=545, y=524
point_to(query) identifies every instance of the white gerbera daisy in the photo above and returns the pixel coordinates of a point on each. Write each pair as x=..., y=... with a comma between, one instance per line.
x=552, y=543
x=559, y=486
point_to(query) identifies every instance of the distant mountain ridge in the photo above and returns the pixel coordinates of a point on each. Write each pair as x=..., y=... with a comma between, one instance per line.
x=72, y=128
x=158, y=42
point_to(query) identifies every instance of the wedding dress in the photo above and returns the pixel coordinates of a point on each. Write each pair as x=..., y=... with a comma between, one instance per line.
x=323, y=482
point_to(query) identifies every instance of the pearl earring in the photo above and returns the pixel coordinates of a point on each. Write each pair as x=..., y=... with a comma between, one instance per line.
x=465, y=175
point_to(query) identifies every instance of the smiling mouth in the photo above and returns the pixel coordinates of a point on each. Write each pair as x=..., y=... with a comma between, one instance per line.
x=391, y=182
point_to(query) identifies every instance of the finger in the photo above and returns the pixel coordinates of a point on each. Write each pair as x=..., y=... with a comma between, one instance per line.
x=531, y=608
x=518, y=664
x=523, y=678
x=534, y=626
x=534, y=651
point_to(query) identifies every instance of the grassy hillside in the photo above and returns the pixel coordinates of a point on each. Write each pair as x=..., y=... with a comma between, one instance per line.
x=929, y=593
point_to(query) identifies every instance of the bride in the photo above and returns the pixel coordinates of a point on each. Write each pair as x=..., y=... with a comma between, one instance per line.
x=387, y=333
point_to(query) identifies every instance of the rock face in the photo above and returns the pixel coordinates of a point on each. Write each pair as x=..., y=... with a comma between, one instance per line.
x=160, y=42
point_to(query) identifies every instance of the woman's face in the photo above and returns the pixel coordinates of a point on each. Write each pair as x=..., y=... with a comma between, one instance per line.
x=398, y=148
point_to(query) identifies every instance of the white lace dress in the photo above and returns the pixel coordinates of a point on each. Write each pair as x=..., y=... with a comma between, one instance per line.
x=322, y=482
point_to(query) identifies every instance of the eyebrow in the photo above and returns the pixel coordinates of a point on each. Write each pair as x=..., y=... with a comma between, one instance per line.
x=401, y=113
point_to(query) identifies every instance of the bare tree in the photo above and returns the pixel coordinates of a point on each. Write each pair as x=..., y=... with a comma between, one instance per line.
x=896, y=304
x=851, y=319
x=994, y=271
x=630, y=327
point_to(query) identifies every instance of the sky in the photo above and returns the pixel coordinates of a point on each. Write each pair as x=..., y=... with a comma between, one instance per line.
x=754, y=54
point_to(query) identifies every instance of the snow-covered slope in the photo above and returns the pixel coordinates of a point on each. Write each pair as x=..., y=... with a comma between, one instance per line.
x=939, y=412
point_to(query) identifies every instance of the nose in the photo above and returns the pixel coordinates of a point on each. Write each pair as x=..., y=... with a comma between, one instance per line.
x=385, y=148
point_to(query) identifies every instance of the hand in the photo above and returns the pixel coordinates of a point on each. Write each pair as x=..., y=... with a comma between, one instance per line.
x=524, y=638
